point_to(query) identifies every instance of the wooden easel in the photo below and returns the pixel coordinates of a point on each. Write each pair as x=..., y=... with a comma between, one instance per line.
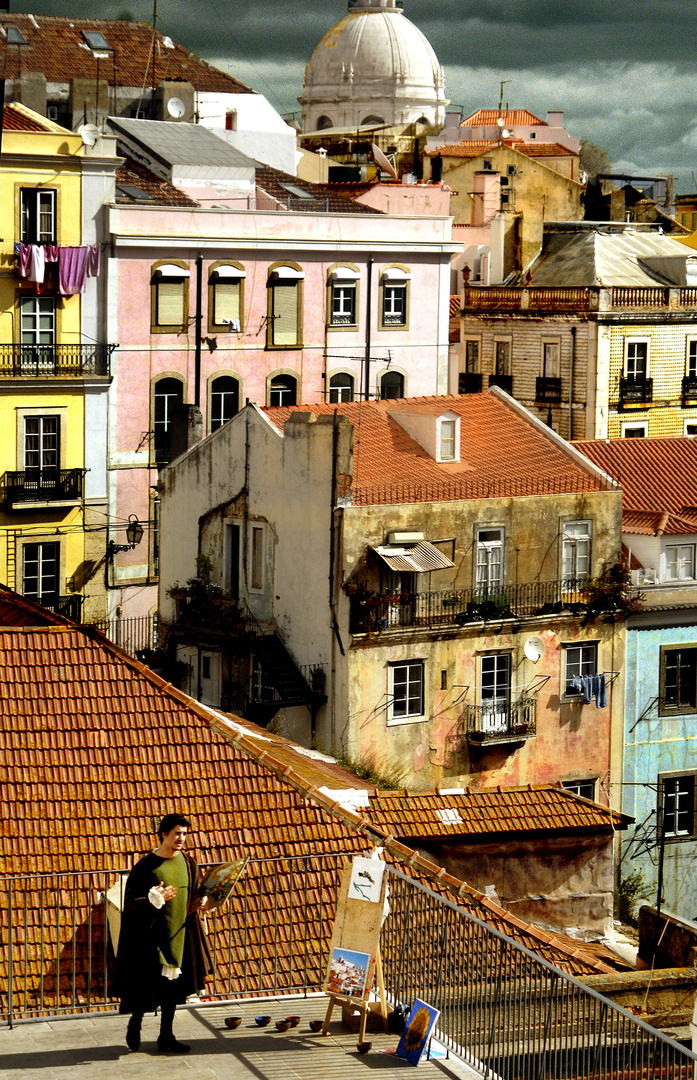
x=357, y=925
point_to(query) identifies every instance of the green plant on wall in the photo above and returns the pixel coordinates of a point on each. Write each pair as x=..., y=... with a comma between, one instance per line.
x=628, y=893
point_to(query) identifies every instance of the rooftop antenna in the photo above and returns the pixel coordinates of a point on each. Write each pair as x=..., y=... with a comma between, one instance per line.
x=499, y=119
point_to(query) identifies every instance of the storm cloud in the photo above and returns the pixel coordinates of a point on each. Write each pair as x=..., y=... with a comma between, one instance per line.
x=623, y=71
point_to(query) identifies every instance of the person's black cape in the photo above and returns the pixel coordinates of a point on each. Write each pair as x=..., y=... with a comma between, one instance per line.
x=138, y=969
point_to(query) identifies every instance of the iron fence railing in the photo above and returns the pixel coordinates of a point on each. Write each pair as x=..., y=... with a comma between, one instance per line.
x=504, y=1010
x=70, y=607
x=134, y=634
x=51, y=360
x=499, y=721
x=461, y=606
x=635, y=392
x=43, y=485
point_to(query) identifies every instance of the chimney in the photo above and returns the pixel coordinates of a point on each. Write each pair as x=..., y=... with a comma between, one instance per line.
x=555, y=118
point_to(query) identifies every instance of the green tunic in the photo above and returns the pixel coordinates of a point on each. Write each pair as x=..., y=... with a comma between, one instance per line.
x=174, y=872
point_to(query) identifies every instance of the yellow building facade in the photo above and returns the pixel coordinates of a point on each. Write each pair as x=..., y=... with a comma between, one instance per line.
x=54, y=367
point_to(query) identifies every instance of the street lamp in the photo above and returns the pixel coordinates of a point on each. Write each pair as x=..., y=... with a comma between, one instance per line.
x=134, y=535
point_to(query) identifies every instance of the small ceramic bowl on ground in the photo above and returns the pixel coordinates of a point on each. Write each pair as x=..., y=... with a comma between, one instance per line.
x=293, y=1020
x=316, y=1025
x=282, y=1025
x=233, y=1021
x=262, y=1021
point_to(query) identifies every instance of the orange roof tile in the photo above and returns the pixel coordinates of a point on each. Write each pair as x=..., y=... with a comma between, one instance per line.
x=160, y=191
x=391, y=467
x=475, y=147
x=14, y=119
x=658, y=477
x=455, y=304
x=511, y=118
x=96, y=747
x=58, y=49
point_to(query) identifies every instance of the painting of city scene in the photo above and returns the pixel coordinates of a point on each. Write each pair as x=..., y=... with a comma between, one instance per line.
x=348, y=972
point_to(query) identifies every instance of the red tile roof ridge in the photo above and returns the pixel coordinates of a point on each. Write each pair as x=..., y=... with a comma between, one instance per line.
x=511, y=118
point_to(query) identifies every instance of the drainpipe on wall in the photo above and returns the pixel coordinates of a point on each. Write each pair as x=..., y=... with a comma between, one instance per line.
x=571, y=383
x=368, y=316
x=197, y=338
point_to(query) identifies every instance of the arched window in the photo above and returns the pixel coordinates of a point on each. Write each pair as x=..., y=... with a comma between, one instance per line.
x=226, y=299
x=168, y=395
x=341, y=387
x=372, y=120
x=323, y=123
x=225, y=400
x=395, y=293
x=392, y=385
x=283, y=390
x=170, y=298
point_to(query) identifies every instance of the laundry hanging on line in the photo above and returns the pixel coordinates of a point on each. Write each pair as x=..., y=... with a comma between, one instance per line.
x=592, y=687
x=75, y=264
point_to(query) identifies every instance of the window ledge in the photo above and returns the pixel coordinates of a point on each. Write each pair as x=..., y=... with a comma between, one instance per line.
x=399, y=721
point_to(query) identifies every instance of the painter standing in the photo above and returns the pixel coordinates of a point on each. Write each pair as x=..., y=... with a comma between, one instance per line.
x=163, y=956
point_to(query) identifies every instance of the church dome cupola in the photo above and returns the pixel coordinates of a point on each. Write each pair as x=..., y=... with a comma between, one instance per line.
x=373, y=67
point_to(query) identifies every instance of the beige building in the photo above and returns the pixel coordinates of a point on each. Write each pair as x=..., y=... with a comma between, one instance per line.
x=599, y=339
x=384, y=583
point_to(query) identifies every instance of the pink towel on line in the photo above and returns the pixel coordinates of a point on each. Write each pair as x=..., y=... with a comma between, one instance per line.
x=72, y=270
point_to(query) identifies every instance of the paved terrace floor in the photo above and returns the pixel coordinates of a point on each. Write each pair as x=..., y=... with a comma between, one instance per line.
x=93, y=1048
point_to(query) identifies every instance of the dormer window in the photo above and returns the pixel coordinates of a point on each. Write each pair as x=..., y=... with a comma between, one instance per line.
x=448, y=438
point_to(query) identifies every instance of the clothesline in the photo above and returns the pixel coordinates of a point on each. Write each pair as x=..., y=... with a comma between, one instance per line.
x=75, y=264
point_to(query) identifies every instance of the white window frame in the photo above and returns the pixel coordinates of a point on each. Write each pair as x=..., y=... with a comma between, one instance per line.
x=416, y=674
x=574, y=787
x=48, y=443
x=580, y=658
x=681, y=555
x=467, y=344
x=36, y=308
x=691, y=424
x=691, y=357
x=495, y=709
x=631, y=343
x=30, y=215
x=488, y=553
x=341, y=390
x=546, y=344
x=631, y=425
x=256, y=557
x=687, y=795
x=40, y=544
x=446, y=441
x=569, y=549
x=507, y=345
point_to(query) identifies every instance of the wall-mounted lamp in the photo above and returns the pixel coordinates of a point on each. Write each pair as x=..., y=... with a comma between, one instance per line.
x=134, y=535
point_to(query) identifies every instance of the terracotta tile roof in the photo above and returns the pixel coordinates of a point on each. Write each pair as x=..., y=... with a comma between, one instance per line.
x=532, y=809
x=455, y=304
x=272, y=180
x=391, y=467
x=93, y=744
x=160, y=191
x=352, y=189
x=455, y=325
x=15, y=118
x=475, y=147
x=511, y=118
x=658, y=477
x=58, y=49
x=18, y=610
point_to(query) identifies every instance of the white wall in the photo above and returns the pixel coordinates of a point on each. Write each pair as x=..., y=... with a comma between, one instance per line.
x=261, y=132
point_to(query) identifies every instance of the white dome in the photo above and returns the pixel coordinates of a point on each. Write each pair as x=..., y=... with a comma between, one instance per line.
x=373, y=67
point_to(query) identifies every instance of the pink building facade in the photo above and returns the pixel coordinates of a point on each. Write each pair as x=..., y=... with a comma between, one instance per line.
x=215, y=307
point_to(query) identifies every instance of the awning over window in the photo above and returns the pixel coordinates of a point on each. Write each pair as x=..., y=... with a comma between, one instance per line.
x=344, y=273
x=229, y=273
x=417, y=558
x=287, y=273
x=171, y=270
x=394, y=273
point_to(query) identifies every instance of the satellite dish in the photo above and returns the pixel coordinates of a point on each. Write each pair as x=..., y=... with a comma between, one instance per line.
x=534, y=648
x=383, y=161
x=89, y=134
x=506, y=134
x=176, y=108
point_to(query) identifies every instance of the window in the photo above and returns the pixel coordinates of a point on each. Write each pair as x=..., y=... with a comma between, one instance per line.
x=471, y=357
x=168, y=396
x=40, y=572
x=394, y=284
x=37, y=320
x=691, y=360
x=633, y=431
x=576, y=549
x=225, y=400
x=448, y=449
x=283, y=390
x=690, y=429
x=580, y=661
x=343, y=300
x=341, y=387
x=37, y=215
x=676, y=804
x=678, y=685
x=584, y=788
x=407, y=689
x=284, y=307
x=232, y=560
x=170, y=298
x=550, y=359
x=637, y=360
x=41, y=444
x=680, y=562
x=225, y=299
x=502, y=357
x=489, y=561
x=495, y=693
x=391, y=385
x=256, y=557
x=231, y=120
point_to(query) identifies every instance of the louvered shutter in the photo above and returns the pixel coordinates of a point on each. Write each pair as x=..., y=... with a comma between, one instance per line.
x=226, y=301
x=170, y=303
x=285, y=312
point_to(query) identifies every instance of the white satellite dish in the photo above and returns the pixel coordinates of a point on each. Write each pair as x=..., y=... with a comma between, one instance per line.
x=176, y=108
x=534, y=648
x=506, y=134
x=383, y=161
x=89, y=134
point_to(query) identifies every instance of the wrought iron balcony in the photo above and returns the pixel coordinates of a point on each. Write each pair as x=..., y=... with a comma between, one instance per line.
x=635, y=392
x=459, y=607
x=548, y=390
x=470, y=382
x=689, y=390
x=43, y=486
x=70, y=607
x=500, y=721
x=504, y=381
x=45, y=361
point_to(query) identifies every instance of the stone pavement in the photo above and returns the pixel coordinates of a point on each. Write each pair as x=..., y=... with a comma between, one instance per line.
x=93, y=1048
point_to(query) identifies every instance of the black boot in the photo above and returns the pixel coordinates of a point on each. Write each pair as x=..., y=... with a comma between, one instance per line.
x=133, y=1031
x=166, y=1042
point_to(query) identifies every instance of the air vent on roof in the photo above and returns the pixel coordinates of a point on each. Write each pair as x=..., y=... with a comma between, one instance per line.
x=95, y=40
x=15, y=36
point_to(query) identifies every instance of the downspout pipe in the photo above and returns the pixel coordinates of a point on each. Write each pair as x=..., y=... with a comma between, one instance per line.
x=197, y=331
x=368, y=317
x=572, y=365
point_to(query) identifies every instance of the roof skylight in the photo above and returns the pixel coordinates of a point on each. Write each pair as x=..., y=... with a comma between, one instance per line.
x=15, y=36
x=95, y=39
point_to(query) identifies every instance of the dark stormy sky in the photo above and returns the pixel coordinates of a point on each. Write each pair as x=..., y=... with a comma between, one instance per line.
x=624, y=71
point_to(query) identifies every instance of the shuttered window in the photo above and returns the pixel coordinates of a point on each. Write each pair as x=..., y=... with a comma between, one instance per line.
x=226, y=302
x=285, y=313
x=170, y=303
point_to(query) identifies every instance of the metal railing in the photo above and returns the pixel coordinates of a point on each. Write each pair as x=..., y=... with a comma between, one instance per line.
x=134, y=634
x=636, y=392
x=462, y=606
x=499, y=722
x=505, y=1010
x=548, y=388
x=70, y=607
x=38, y=361
x=43, y=485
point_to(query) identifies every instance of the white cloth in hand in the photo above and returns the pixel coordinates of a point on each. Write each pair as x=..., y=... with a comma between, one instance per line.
x=170, y=973
x=156, y=898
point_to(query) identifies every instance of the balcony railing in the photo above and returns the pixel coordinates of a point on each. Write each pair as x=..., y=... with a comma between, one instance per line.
x=505, y=382
x=43, y=485
x=548, y=389
x=689, y=390
x=635, y=392
x=38, y=361
x=458, y=607
x=70, y=607
x=470, y=382
x=497, y=722
x=595, y=298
